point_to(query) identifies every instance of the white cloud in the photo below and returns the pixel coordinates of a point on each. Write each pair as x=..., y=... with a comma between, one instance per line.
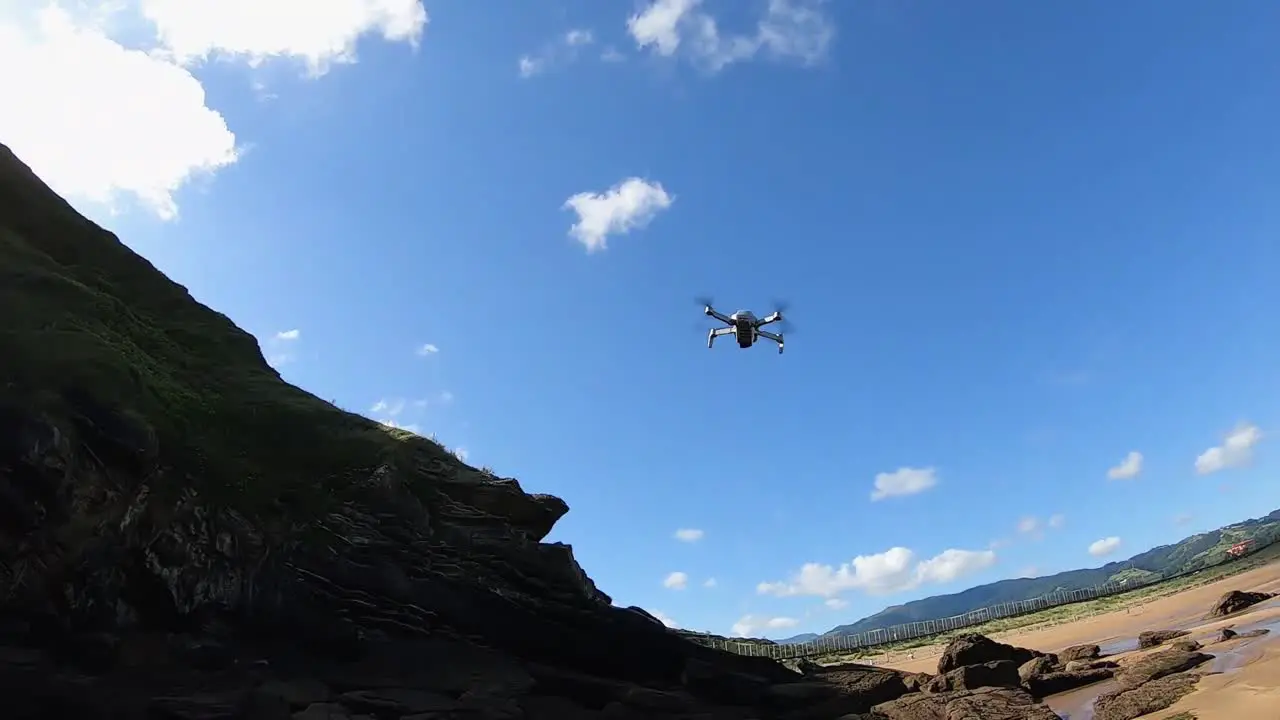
x=666, y=619
x=790, y=29
x=893, y=570
x=279, y=349
x=1028, y=524
x=1128, y=468
x=676, y=581
x=426, y=349
x=629, y=205
x=903, y=481
x=1104, y=547
x=101, y=122
x=562, y=51
x=114, y=122
x=318, y=33
x=1057, y=520
x=751, y=624
x=393, y=407
x=953, y=564
x=1235, y=451
x=836, y=603
x=409, y=427
x=688, y=535
x=709, y=583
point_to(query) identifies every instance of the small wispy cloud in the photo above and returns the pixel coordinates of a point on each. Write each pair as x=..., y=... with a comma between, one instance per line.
x=1104, y=547
x=1236, y=450
x=280, y=349
x=557, y=53
x=709, y=583
x=689, y=535
x=676, y=581
x=1128, y=468
x=903, y=481
x=426, y=349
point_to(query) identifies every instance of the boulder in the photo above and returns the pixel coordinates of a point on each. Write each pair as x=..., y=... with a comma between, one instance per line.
x=1080, y=652
x=975, y=649
x=1035, y=666
x=1228, y=634
x=1000, y=673
x=983, y=704
x=1061, y=681
x=1186, y=645
x=1236, y=600
x=1152, y=638
x=1129, y=703
x=1145, y=668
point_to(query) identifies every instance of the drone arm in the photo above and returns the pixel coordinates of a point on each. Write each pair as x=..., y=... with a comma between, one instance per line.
x=717, y=315
x=768, y=320
x=776, y=337
x=712, y=335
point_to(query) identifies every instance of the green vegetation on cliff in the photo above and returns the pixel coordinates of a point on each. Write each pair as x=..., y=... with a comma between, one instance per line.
x=122, y=360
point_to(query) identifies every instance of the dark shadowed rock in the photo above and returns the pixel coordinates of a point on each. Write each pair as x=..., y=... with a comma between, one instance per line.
x=975, y=649
x=1152, y=638
x=915, y=681
x=1080, y=652
x=999, y=673
x=1150, y=697
x=1236, y=600
x=1035, y=666
x=1077, y=665
x=1227, y=634
x=1052, y=683
x=859, y=688
x=983, y=704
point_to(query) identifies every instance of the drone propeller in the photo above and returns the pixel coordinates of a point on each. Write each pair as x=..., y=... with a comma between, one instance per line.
x=784, y=325
x=704, y=301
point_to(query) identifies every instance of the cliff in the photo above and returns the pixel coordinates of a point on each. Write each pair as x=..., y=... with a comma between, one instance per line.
x=170, y=508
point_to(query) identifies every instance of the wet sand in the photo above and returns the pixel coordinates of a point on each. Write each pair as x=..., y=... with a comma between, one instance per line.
x=1247, y=688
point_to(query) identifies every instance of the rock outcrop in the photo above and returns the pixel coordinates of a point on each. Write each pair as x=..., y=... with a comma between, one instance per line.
x=1080, y=652
x=1152, y=638
x=975, y=649
x=1236, y=600
x=1227, y=634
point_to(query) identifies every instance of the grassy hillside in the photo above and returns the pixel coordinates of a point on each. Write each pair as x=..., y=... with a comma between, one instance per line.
x=1193, y=553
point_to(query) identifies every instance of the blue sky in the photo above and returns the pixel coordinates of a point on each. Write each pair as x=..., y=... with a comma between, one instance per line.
x=1019, y=242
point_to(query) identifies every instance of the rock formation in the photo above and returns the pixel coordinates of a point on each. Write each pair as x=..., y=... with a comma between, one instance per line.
x=1152, y=638
x=1236, y=600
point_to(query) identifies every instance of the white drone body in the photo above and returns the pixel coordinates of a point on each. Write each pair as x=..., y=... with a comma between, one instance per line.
x=745, y=326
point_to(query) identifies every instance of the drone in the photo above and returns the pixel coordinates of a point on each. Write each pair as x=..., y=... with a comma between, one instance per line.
x=744, y=325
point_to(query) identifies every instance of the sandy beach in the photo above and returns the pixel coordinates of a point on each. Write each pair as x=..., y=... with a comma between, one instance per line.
x=1248, y=684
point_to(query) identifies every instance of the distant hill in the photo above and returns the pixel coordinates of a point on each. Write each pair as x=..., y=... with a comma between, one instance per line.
x=801, y=638
x=1193, y=553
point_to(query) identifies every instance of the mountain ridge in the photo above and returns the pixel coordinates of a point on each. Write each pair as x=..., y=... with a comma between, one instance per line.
x=1187, y=555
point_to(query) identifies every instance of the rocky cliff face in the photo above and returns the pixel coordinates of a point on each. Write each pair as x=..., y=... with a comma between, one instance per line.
x=163, y=492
